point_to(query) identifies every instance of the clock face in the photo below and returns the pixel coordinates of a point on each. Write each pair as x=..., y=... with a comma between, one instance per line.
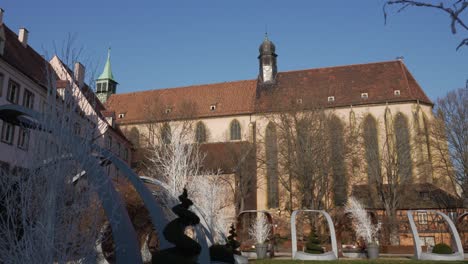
x=267, y=73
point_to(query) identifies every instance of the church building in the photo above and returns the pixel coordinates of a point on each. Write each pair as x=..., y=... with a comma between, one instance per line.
x=381, y=101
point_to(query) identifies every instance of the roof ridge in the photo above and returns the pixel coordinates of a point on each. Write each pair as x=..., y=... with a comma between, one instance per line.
x=185, y=87
x=341, y=66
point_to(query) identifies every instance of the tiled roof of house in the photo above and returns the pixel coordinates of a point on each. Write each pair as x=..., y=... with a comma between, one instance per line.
x=226, y=156
x=25, y=59
x=415, y=196
x=220, y=99
x=310, y=87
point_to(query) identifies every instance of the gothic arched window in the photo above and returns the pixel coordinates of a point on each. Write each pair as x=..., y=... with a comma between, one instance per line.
x=200, y=132
x=166, y=134
x=235, y=130
x=371, y=144
x=338, y=160
x=134, y=136
x=271, y=155
x=402, y=144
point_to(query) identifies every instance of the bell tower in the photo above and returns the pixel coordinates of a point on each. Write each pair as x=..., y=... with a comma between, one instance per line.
x=267, y=61
x=105, y=84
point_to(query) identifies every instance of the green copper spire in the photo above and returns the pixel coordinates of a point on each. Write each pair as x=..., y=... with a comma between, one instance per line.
x=107, y=73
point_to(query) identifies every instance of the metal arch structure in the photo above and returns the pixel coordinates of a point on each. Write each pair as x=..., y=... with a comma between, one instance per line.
x=420, y=255
x=331, y=255
x=127, y=249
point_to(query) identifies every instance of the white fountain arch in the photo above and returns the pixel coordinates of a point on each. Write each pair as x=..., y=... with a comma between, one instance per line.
x=420, y=255
x=331, y=255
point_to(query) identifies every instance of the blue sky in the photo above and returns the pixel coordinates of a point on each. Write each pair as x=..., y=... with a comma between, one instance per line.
x=160, y=44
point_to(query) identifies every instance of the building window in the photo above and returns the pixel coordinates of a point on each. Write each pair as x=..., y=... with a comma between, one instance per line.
x=8, y=132
x=121, y=115
x=118, y=149
x=364, y=95
x=1, y=83
x=125, y=155
x=200, y=133
x=99, y=88
x=453, y=215
x=422, y=218
x=396, y=92
x=299, y=101
x=77, y=129
x=23, y=138
x=403, y=147
x=371, y=143
x=13, y=92
x=109, y=142
x=166, y=134
x=331, y=99
x=235, y=130
x=168, y=110
x=212, y=107
x=28, y=99
x=271, y=155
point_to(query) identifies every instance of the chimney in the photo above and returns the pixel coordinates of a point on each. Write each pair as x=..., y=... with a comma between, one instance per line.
x=1, y=16
x=79, y=74
x=23, y=36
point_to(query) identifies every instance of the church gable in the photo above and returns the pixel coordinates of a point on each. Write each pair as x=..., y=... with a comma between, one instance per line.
x=372, y=83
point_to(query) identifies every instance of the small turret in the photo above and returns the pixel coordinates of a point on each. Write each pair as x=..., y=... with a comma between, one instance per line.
x=106, y=84
x=267, y=60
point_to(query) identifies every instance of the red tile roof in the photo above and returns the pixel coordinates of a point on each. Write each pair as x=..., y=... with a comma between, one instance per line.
x=313, y=86
x=228, y=98
x=346, y=83
x=26, y=59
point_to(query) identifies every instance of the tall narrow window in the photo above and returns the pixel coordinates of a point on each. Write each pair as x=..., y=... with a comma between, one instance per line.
x=8, y=132
x=166, y=134
x=1, y=83
x=235, y=130
x=371, y=144
x=200, y=133
x=125, y=156
x=13, y=92
x=23, y=138
x=28, y=99
x=271, y=156
x=77, y=129
x=338, y=161
x=134, y=137
x=109, y=142
x=118, y=150
x=402, y=142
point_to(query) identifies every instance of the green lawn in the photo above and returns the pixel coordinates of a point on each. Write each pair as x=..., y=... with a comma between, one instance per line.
x=358, y=261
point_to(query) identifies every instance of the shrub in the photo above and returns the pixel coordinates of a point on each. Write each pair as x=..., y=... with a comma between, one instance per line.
x=442, y=248
x=313, y=244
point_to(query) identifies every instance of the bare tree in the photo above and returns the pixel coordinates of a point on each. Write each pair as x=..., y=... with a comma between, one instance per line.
x=454, y=9
x=389, y=166
x=303, y=158
x=49, y=211
x=449, y=138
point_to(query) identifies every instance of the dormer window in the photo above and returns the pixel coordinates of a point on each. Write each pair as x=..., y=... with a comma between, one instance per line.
x=122, y=115
x=168, y=110
x=396, y=92
x=299, y=101
x=364, y=95
x=213, y=107
x=331, y=99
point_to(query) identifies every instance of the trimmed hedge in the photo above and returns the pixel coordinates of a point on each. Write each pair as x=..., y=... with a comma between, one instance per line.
x=442, y=248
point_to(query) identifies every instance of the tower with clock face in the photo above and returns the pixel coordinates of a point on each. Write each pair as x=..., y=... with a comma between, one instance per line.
x=267, y=60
